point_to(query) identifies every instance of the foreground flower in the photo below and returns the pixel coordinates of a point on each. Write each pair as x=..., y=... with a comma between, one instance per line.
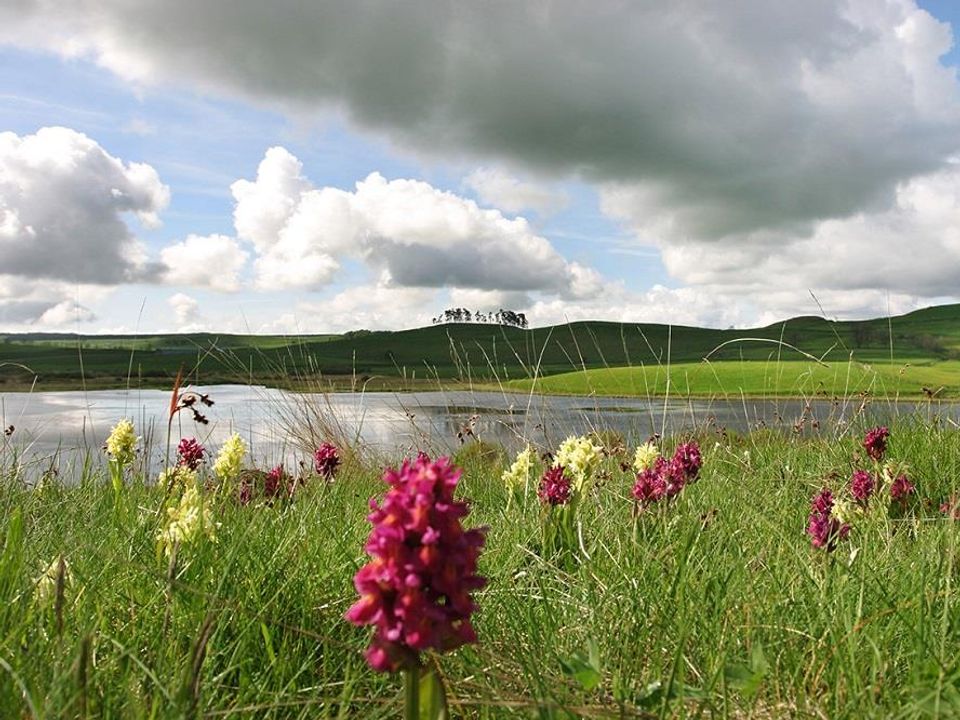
x=674, y=475
x=844, y=511
x=189, y=520
x=245, y=492
x=122, y=443
x=875, y=442
x=190, y=453
x=901, y=489
x=179, y=476
x=687, y=456
x=650, y=485
x=645, y=457
x=823, y=527
x=861, y=486
x=326, y=460
x=273, y=483
x=416, y=590
x=519, y=473
x=951, y=507
x=229, y=462
x=555, y=487
x=578, y=455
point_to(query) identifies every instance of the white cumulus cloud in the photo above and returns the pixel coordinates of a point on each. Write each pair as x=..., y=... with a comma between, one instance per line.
x=185, y=308
x=213, y=261
x=419, y=235
x=63, y=201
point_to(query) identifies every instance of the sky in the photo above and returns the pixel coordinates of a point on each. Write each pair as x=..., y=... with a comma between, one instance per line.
x=294, y=168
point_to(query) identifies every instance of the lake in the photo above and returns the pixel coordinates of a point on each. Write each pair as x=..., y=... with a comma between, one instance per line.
x=49, y=424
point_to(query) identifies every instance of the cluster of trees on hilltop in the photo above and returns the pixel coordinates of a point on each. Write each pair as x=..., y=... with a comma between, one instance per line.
x=500, y=317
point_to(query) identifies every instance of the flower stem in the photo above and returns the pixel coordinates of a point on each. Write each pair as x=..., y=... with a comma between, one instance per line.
x=411, y=694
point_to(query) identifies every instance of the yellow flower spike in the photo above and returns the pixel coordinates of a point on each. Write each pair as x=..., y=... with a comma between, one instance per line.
x=122, y=443
x=229, y=462
x=578, y=456
x=645, y=456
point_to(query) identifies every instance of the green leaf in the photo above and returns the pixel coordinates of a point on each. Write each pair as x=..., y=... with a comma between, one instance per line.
x=655, y=693
x=433, y=696
x=747, y=678
x=268, y=641
x=584, y=667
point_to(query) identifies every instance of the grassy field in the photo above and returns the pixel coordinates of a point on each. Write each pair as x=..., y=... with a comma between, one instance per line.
x=732, y=378
x=463, y=353
x=713, y=606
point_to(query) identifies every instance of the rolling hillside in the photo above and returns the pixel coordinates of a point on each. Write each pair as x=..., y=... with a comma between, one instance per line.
x=478, y=353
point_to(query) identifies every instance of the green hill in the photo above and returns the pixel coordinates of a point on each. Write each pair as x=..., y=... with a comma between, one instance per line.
x=474, y=353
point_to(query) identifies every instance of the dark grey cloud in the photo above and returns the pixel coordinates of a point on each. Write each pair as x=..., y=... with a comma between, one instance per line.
x=732, y=117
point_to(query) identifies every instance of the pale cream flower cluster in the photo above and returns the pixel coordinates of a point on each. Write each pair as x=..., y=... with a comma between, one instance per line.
x=187, y=521
x=122, y=443
x=519, y=473
x=645, y=457
x=179, y=477
x=45, y=585
x=578, y=456
x=845, y=511
x=229, y=462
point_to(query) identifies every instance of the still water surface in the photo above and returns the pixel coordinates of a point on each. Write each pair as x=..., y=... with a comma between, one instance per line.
x=392, y=423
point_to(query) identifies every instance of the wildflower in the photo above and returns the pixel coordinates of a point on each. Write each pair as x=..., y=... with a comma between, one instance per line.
x=875, y=442
x=230, y=460
x=901, y=489
x=823, y=528
x=823, y=502
x=519, y=473
x=180, y=476
x=578, y=455
x=122, y=443
x=245, y=492
x=649, y=486
x=674, y=476
x=190, y=453
x=326, y=460
x=273, y=482
x=862, y=485
x=555, y=487
x=45, y=585
x=951, y=507
x=189, y=520
x=417, y=588
x=645, y=456
x=843, y=511
x=687, y=455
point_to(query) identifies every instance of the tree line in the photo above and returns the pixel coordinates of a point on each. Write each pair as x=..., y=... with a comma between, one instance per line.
x=500, y=317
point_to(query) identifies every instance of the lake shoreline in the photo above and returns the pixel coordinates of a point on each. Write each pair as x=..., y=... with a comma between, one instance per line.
x=348, y=384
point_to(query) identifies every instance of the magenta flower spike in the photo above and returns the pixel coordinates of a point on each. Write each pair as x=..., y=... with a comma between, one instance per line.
x=273, y=482
x=555, y=487
x=901, y=489
x=862, y=485
x=326, y=460
x=416, y=589
x=875, y=442
x=190, y=453
x=687, y=456
x=824, y=529
x=649, y=487
x=674, y=475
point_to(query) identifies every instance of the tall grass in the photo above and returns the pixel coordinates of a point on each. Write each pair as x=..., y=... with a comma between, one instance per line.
x=715, y=606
